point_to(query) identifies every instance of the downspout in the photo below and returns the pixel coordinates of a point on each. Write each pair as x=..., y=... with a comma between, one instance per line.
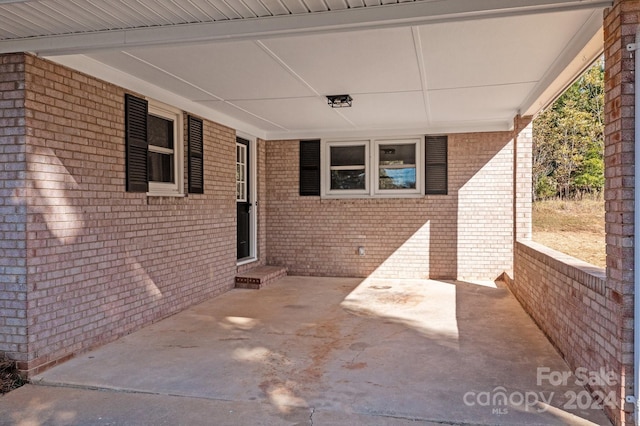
x=635, y=48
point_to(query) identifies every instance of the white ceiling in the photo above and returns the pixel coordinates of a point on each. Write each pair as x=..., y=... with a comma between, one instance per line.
x=264, y=67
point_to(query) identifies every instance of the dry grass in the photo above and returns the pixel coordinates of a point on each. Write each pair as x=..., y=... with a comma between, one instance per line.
x=574, y=227
x=9, y=377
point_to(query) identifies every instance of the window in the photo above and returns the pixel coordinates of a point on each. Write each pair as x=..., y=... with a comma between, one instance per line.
x=154, y=138
x=347, y=169
x=384, y=168
x=241, y=172
x=161, y=153
x=397, y=166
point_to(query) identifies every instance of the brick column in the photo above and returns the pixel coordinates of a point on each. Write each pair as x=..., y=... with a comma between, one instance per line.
x=522, y=179
x=620, y=26
x=13, y=285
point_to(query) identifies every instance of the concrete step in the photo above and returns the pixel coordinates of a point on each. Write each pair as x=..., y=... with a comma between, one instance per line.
x=257, y=278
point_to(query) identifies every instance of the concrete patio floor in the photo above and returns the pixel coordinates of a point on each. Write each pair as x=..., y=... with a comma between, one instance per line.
x=318, y=351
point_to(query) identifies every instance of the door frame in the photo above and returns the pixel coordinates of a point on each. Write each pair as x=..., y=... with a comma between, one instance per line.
x=253, y=197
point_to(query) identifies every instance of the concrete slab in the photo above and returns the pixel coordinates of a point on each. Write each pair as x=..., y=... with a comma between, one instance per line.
x=42, y=405
x=327, y=350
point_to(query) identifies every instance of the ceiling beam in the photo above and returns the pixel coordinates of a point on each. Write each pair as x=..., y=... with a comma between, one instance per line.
x=402, y=14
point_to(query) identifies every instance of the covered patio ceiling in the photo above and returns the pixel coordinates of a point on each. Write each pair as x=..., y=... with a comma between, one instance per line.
x=264, y=67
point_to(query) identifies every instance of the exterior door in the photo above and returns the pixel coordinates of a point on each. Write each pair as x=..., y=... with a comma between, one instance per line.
x=243, y=200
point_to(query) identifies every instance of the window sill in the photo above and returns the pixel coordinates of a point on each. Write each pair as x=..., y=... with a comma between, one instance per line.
x=165, y=194
x=368, y=196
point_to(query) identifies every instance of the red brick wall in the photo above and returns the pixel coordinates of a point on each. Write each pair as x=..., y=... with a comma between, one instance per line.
x=571, y=302
x=465, y=234
x=620, y=26
x=102, y=262
x=13, y=217
x=522, y=170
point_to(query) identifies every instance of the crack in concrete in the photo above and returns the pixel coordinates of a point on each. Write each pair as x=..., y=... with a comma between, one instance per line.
x=313, y=410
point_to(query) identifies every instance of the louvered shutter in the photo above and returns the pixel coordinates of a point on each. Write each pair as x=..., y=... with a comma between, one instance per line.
x=136, y=111
x=196, y=158
x=310, y=167
x=436, y=165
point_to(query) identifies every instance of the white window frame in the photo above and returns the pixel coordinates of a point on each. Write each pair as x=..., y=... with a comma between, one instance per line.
x=175, y=188
x=243, y=148
x=372, y=187
x=252, y=165
x=419, y=167
x=325, y=159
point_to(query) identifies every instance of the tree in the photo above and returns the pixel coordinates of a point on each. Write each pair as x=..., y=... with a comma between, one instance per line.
x=568, y=140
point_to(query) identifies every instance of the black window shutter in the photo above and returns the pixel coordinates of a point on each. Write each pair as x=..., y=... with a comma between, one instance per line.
x=310, y=167
x=196, y=158
x=436, y=165
x=136, y=111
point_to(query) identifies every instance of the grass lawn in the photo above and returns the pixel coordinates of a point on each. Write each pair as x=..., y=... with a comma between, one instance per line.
x=572, y=227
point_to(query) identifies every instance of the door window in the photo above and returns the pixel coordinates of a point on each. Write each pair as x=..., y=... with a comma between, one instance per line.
x=241, y=173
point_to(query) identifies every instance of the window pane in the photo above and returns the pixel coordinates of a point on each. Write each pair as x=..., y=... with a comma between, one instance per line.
x=397, y=166
x=398, y=178
x=397, y=154
x=240, y=191
x=160, y=167
x=160, y=132
x=347, y=155
x=348, y=179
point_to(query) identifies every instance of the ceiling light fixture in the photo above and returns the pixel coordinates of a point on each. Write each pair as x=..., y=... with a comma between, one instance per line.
x=339, y=101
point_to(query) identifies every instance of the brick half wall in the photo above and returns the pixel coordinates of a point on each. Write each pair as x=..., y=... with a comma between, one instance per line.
x=570, y=301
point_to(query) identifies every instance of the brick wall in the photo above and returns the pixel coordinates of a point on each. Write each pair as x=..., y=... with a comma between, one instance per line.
x=523, y=176
x=465, y=234
x=13, y=283
x=102, y=262
x=571, y=302
x=620, y=26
